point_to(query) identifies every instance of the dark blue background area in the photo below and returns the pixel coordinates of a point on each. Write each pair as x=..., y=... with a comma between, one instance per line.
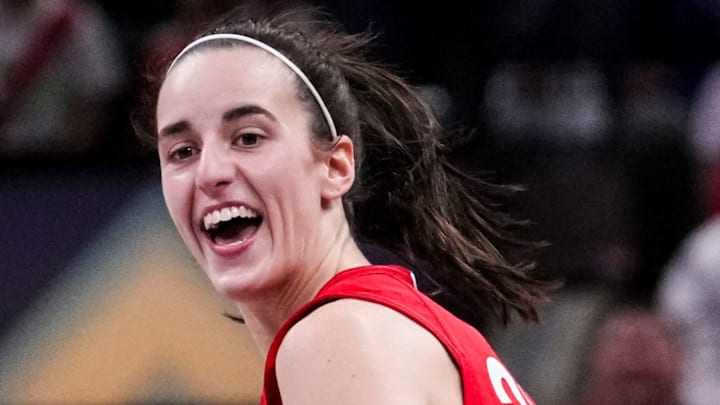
x=49, y=215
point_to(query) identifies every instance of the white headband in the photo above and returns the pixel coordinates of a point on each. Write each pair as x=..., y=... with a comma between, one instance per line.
x=274, y=52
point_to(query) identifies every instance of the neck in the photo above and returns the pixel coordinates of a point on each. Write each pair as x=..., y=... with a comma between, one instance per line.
x=265, y=314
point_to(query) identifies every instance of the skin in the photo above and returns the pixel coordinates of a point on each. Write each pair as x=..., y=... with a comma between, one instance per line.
x=233, y=131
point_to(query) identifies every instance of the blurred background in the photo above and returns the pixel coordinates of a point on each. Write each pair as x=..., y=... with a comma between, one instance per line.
x=607, y=111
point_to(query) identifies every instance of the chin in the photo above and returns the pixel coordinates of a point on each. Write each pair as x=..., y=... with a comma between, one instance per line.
x=239, y=284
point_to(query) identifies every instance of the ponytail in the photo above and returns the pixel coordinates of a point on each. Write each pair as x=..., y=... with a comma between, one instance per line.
x=412, y=200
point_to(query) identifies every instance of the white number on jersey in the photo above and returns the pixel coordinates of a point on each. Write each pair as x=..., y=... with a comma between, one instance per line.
x=498, y=373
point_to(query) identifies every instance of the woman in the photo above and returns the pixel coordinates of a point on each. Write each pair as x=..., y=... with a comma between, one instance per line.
x=281, y=149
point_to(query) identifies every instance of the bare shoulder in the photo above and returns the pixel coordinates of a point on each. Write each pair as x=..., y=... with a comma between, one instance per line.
x=357, y=352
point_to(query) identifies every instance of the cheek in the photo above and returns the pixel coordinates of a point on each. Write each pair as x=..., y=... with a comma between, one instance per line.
x=289, y=184
x=293, y=176
x=177, y=198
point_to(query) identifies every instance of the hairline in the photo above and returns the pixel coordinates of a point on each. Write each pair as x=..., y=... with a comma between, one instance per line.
x=230, y=40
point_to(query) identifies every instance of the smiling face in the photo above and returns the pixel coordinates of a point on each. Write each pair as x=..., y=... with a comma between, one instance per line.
x=241, y=177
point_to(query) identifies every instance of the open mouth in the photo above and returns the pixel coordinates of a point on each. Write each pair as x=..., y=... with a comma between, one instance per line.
x=233, y=224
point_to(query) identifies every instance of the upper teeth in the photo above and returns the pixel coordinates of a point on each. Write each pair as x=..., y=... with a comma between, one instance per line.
x=213, y=219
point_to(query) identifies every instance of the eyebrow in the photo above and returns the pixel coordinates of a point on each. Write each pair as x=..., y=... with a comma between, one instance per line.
x=230, y=115
x=245, y=110
x=174, y=129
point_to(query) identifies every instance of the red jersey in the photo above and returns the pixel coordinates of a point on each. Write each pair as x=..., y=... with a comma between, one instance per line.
x=485, y=379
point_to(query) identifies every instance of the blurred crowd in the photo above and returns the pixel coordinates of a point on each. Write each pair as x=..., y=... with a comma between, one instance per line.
x=609, y=113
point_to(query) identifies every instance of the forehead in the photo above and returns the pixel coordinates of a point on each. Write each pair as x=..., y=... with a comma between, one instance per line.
x=238, y=74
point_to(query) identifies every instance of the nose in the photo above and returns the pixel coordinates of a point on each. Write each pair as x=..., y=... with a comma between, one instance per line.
x=215, y=169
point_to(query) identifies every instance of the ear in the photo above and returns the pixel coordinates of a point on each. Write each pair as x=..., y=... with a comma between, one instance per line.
x=340, y=169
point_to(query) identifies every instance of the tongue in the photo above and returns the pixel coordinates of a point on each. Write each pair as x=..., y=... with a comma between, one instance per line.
x=235, y=232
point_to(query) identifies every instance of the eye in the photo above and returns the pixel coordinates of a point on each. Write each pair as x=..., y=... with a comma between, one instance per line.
x=182, y=153
x=248, y=140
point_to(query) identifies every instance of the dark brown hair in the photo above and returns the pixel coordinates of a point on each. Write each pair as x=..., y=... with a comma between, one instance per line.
x=408, y=197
